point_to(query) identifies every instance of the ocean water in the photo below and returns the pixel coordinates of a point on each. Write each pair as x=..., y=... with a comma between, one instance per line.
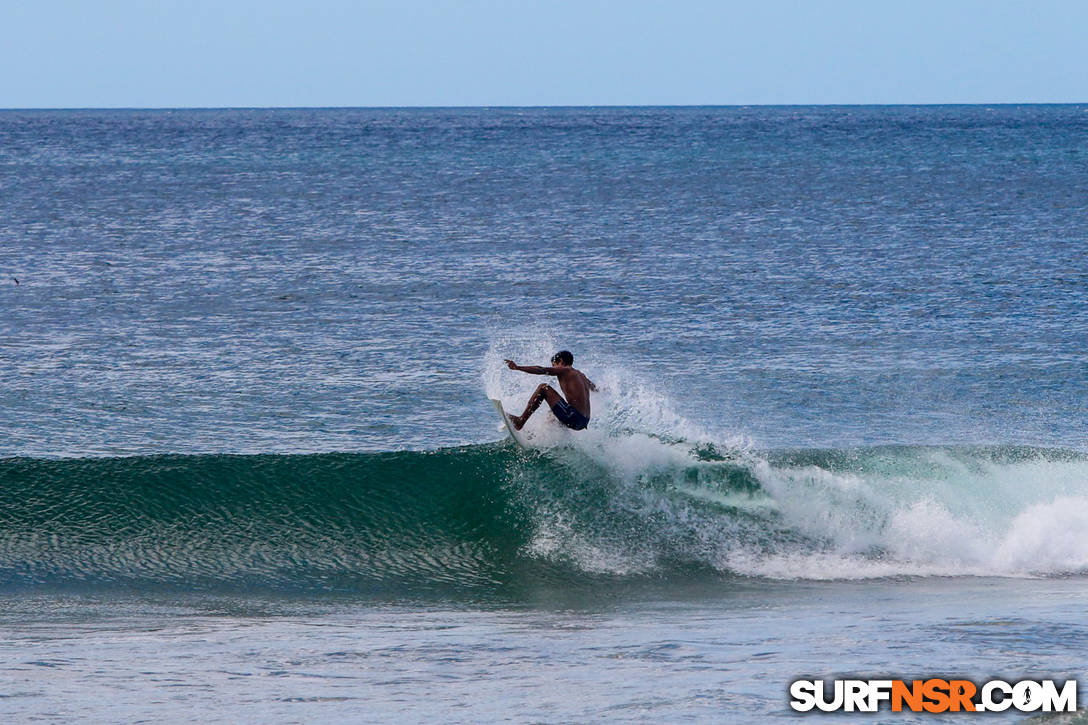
x=248, y=465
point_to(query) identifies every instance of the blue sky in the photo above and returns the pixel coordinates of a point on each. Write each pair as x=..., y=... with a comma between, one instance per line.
x=174, y=53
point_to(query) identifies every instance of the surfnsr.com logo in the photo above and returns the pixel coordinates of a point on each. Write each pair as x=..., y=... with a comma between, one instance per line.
x=933, y=695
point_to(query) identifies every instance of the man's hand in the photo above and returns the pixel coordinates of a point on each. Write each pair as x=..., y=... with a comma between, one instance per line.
x=531, y=369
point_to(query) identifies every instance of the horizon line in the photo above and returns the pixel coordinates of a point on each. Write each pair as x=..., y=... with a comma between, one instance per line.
x=540, y=106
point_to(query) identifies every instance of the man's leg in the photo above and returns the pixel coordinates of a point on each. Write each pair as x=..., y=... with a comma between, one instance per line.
x=543, y=392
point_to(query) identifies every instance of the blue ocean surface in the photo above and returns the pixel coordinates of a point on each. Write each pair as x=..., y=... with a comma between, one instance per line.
x=248, y=463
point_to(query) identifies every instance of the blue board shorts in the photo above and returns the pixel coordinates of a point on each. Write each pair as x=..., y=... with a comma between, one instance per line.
x=569, y=416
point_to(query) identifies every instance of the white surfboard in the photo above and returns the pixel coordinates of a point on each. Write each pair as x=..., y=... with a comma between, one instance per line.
x=517, y=435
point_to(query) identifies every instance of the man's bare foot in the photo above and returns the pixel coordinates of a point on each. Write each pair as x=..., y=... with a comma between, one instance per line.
x=517, y=421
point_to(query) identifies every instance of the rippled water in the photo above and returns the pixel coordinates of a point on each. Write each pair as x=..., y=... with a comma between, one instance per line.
x=315, y=280
x=842, y=433
x=681, y=658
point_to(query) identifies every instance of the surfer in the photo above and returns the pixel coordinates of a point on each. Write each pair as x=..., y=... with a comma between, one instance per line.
x=573, y=411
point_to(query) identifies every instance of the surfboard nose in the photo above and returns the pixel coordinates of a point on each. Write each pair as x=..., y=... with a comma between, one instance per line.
x=517, y=435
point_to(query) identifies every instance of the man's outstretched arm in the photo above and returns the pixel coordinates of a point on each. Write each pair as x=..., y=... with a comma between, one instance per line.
x=531, y=369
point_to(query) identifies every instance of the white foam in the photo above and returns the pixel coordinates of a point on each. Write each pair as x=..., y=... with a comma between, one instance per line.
x=819, y=524
x=896, y=512
x=1047, y=538
x=987, y=519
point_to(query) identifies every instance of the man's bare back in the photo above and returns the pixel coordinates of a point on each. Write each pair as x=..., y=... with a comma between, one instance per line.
x=572, y=411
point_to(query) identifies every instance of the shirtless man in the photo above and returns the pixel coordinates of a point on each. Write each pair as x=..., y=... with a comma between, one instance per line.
x=572, y=412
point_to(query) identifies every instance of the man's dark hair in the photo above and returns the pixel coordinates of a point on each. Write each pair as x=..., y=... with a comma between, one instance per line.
x=563, y=356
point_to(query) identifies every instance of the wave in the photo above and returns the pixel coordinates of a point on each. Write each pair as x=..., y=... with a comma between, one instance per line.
x=491, y=518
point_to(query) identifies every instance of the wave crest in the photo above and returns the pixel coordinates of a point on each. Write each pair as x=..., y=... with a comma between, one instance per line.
x=491, y=518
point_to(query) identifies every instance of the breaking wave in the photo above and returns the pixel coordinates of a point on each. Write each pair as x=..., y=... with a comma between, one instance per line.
x=494, y=518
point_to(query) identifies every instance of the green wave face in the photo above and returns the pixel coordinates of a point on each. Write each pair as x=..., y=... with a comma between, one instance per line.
x=327, y=521
x=489, y=519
